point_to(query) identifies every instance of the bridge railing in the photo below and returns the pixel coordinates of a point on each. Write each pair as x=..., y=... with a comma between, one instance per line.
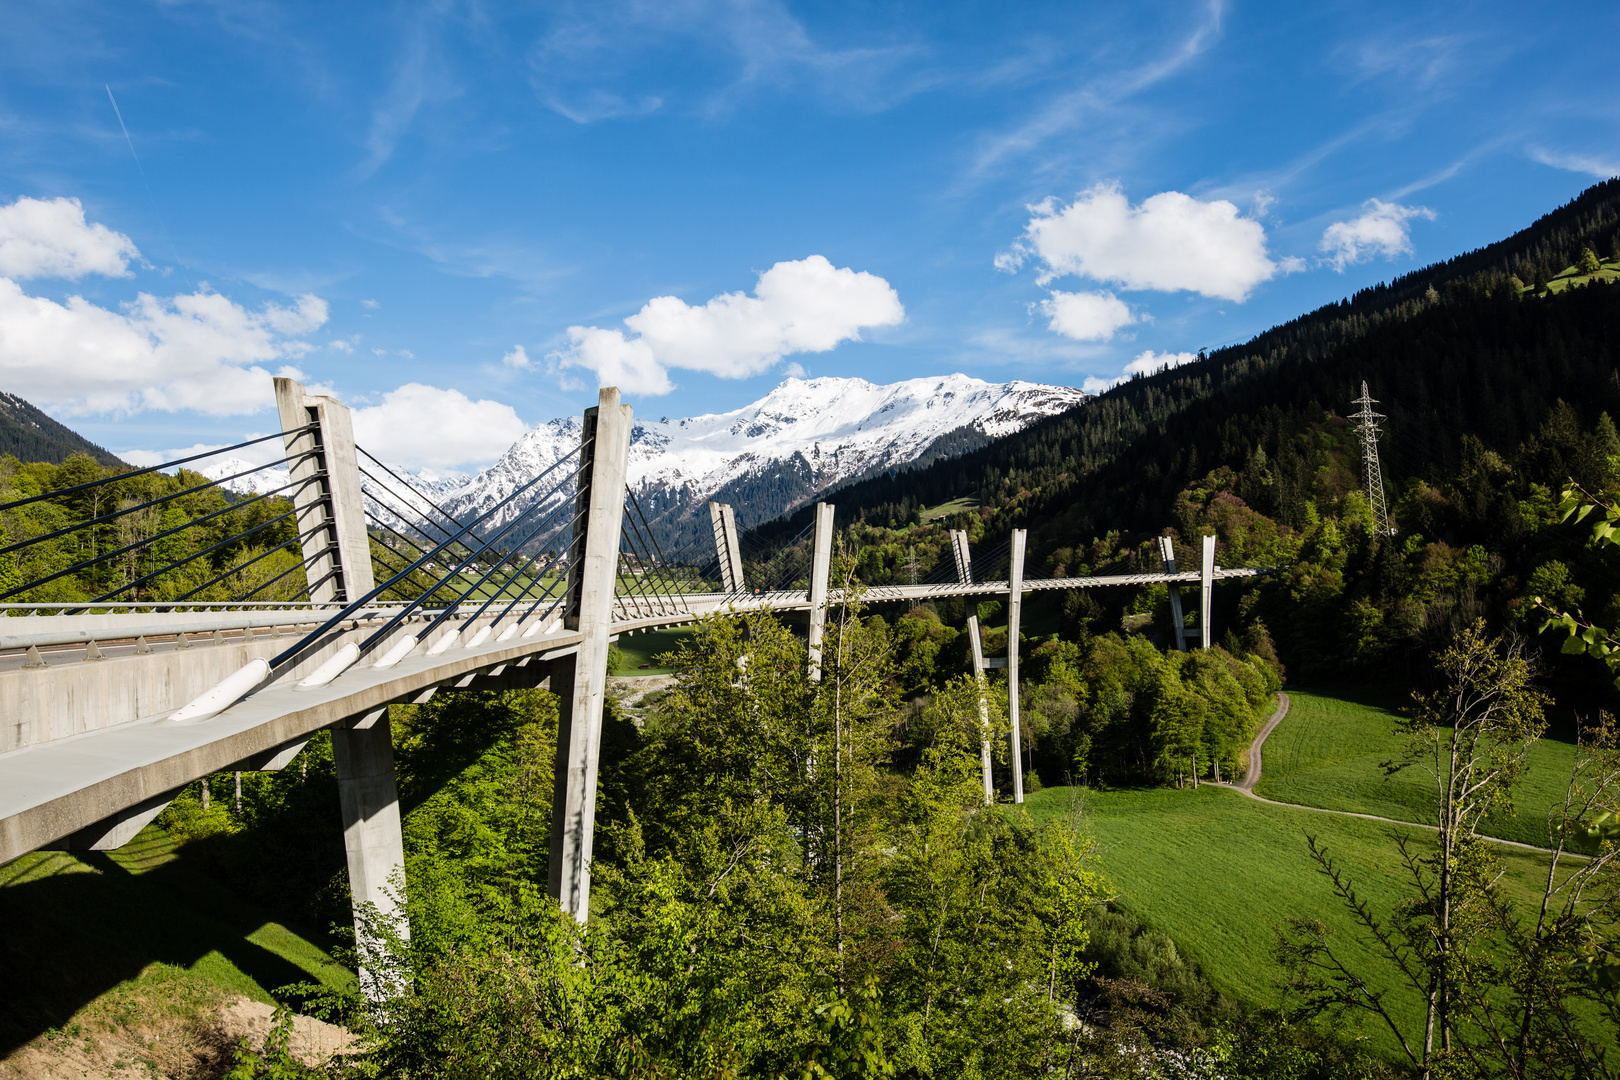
x=163, y=534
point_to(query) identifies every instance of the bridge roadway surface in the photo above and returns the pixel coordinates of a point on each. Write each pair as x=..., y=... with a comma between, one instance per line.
x=53, y=789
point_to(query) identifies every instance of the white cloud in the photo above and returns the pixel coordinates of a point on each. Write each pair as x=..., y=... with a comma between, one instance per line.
x=50, y=238
x=268, y=452
x=339, y=345
x=420, y=426
x=803, y=306
x=199, y=351
x=1590, y=164
x=518, y=358
x=795, y=370
x=1381, y=230
x=1171, y=243
x=369, y=305
x=308, y=313
x=1086, y=316
x=1146, y=363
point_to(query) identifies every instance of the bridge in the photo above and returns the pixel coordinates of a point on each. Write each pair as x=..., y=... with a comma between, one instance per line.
x=112, y=705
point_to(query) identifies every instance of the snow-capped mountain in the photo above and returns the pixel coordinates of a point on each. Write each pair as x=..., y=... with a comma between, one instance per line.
x=242, y=477
x=802, y=438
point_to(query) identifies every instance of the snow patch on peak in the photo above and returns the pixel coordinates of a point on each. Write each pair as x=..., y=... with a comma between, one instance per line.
x=839, y=427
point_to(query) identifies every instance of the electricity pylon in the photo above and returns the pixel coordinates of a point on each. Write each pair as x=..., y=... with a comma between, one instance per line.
x=1367, y=423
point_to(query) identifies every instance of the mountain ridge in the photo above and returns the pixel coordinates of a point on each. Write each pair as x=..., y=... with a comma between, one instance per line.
x=802, y=438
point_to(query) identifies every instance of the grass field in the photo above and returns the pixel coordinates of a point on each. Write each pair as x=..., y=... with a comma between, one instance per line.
x=1327, y=751
x=641, y=649
x=955, y=506
x=1221, y=874
x=1570, y=276
x=85, y=931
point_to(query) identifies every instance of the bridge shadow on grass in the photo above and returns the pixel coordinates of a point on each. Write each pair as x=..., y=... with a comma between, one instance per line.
x=78, y=925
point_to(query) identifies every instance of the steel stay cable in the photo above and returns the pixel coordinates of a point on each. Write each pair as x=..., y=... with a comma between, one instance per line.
x=562, y=581
x=413, y=489
x=285, y=655
x=517, y=574
x=453, y=605
x=197, y=555
x=487, y=544
x=384, y=525
x=399, y=594
x=277, y=578
x=149, y=469
x=299, y=539
x=640, y=589
x=533, y=581
x=76, y=567
x=647, y=530
x=404, y=517
x=391, y=570
x=149, y=503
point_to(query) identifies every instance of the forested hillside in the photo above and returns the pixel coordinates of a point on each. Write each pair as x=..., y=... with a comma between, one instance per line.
x=1496, y=393
x=28, y=434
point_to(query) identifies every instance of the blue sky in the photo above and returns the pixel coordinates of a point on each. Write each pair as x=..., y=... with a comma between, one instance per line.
x=447, y=212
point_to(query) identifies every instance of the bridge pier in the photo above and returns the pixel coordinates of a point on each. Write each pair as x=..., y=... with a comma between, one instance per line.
x=820, y=571
x=1178, y=621
x=368, y=796
x=1015, y=607
x=580, y=682
x=1206, y=592
x=964, y=574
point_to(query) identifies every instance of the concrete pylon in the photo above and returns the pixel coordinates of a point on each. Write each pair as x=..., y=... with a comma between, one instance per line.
x=820, y=571
x=1015, y=604
x=368, y=796
x=964, y=560
x=976, y=655
x=964, y=574
x=726, y=547
x=582, y=687
x=1206, y=589
x=1178, y=622
x=337, y=558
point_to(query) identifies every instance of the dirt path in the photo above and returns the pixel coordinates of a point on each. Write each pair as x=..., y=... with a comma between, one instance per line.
x=1252, y=777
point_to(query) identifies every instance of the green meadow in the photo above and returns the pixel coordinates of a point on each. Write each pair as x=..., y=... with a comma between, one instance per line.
x=1329, y=751
x=1222, y=874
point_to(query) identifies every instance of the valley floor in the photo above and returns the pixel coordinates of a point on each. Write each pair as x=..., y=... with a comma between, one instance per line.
x=1222, y=873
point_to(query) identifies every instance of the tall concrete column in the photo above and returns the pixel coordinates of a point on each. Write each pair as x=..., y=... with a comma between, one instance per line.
x=1178, y=622
x=592, y=570
x=1206, y=589
x=726, y=547
x=964, y=561
x=976, y=654
x=1015, y=603
x=820, y=571
x=368, y=797
x=964, y=573
x=337, y=558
